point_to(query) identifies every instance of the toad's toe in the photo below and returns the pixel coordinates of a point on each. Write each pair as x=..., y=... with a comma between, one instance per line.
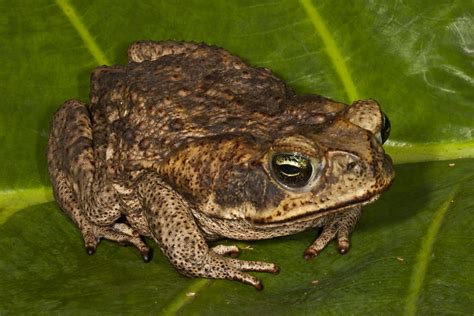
x=232, y=250
x=259, y=266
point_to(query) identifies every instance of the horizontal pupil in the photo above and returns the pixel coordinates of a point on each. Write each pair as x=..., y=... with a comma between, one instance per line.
x=290, y=170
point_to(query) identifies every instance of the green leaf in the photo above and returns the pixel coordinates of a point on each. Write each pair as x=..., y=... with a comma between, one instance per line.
x=411, y=250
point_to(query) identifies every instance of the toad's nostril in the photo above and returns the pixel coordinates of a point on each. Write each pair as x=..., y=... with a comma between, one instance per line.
x=354, y=167
x=351, y=166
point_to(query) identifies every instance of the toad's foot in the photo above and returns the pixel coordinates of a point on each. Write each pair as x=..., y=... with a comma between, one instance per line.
x=93, y=233
x=218, y=267
x=173, y=227
x=242, y=265
x=340, y=226
x=119, y=232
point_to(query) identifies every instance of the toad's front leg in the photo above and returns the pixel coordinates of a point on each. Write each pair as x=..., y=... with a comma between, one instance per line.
x=337, y=226
x=174, y=229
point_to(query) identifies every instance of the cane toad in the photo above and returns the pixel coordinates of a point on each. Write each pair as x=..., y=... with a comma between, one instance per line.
x=188, y=143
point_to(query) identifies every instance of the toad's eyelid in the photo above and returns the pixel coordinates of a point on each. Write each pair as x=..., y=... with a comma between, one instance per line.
x=292, y=163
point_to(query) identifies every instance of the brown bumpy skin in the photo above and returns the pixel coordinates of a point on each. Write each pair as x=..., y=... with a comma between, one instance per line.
x=179, y=146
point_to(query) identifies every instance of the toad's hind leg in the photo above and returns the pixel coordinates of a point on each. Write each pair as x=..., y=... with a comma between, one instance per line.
x=71, y=168
x=173, y=227
x=149, y=50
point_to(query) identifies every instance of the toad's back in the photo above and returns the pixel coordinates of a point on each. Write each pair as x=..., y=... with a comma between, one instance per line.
x=143, y=111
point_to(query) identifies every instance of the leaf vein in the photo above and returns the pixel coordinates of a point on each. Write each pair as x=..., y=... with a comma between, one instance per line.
x=83, y=32
x=184, y=297
x=423, y=259
x=408, y=152
x=331, y=49
x=272, y=30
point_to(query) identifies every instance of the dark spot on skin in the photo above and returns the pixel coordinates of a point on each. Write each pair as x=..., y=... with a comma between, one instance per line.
x=255, y=189
x=238, y=101
x=144, y=144
x=330, y=179
x=129, y=135
x=119, y=125
x=229, y=185
x=210, y=77
x=251, y=184
x=176, y=124
x=273, y=194
x=79, y=146
x=206, y=180
x=75, y=113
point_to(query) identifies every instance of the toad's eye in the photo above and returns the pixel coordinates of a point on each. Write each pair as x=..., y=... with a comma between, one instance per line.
x=385, y=132
x=292, y=169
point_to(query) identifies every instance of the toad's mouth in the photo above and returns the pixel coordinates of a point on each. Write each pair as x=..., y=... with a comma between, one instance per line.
x=307, y=212
x=304, y=209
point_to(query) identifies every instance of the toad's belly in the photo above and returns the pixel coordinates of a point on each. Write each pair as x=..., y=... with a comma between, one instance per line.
x=215, y=228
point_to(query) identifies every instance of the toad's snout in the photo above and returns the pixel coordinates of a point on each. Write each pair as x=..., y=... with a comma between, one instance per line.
x=387, y=173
